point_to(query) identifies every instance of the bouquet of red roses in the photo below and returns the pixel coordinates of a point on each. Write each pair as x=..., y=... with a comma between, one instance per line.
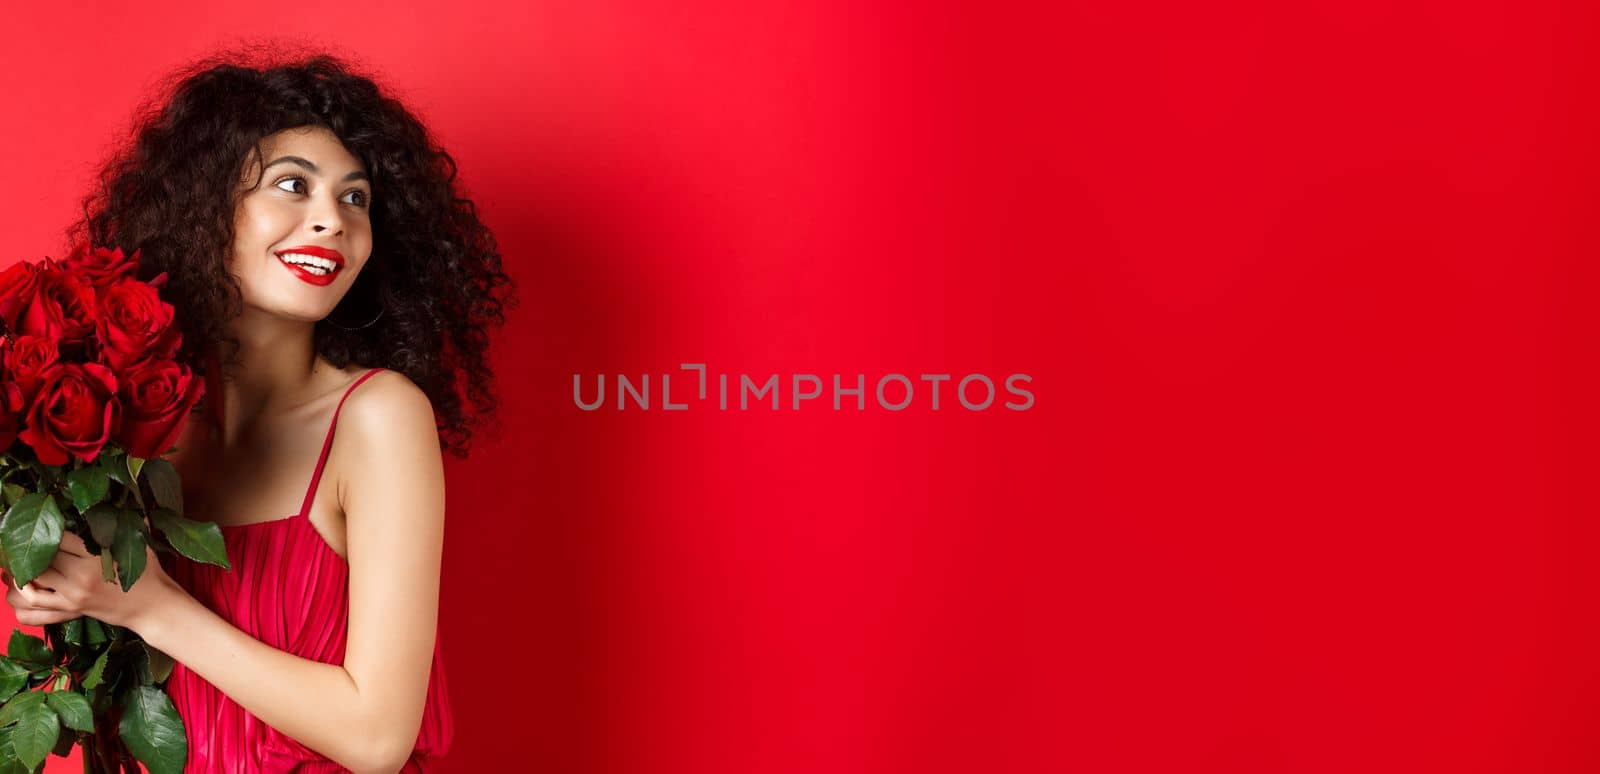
x=91, y=396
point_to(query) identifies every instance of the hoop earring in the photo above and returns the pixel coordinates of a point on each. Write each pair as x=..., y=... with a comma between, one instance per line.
x=382, y=307
x=335, y=324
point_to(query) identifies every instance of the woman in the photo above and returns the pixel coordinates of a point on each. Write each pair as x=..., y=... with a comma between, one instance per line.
x=328, y=276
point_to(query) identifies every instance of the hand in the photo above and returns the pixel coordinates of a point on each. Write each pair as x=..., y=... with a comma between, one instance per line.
x=72, y=586
x=21, y=600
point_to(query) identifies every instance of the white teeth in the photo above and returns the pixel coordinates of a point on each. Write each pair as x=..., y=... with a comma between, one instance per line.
x=311, y=263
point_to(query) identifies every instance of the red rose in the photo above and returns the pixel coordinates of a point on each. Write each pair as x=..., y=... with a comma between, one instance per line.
x=135, y=325
x=17, y=287
x=62, y=309
x=76, y=412
x=100, y=267
x=156, y=398
x=26, y=361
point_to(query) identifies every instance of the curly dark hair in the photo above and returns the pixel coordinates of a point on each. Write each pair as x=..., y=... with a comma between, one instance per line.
x=171, y=192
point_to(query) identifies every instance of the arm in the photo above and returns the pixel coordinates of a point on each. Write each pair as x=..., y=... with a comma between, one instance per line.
x=365, y=714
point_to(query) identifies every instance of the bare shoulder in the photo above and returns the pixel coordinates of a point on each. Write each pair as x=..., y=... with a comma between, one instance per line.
x=389, y=414
x=387, y=395
x=391, y=443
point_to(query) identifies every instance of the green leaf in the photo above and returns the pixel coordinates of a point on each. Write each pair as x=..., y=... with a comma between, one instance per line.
x=29, y=650
x=13, y=493
x=96, y=674
x=63, y=502
x=18, y=705
x=134, y=464
x=36, y=733
x=154, y=665
x=72, y=631
x=152, y=730
x=165, y=484
x=141, y=667
x=31, y=532
x=94, y=632
x=13, y=677
x=115, y=467
x=88, y=487
x=108, y=566
x=197, y=540
x=102, y=524
x=8, y=755
x=73, y=709
x=129, y=548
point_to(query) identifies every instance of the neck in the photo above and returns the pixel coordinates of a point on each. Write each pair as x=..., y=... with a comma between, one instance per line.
x=277, y=365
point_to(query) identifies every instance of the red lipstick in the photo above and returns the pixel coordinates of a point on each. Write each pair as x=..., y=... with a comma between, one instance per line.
x=313, y=251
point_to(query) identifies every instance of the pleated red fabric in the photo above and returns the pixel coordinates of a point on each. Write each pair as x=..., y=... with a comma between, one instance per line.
x=289, y=589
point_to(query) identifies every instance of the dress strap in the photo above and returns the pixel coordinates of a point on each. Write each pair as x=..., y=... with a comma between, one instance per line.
x=327, y=444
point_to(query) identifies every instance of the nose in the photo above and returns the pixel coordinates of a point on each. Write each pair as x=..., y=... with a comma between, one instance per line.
x=325, y=217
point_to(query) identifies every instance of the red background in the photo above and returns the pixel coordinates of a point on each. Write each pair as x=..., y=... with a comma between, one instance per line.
x=1303, y=294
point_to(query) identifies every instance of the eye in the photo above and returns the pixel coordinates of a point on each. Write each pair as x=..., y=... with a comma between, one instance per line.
x=363, y=199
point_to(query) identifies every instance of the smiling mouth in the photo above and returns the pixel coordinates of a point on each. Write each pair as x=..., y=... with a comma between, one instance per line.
x=313, y=265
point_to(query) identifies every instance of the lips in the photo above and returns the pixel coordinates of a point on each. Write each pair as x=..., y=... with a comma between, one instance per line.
x=315, y=252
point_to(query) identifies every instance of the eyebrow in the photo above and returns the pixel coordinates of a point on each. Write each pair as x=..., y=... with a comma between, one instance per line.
x=297, y=161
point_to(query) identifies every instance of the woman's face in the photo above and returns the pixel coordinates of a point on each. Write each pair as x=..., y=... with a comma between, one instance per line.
x=310, y=208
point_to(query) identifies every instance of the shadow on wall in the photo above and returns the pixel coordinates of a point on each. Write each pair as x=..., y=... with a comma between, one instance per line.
x=536, y=559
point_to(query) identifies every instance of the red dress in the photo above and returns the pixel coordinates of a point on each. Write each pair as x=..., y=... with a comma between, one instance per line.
x=289, y=589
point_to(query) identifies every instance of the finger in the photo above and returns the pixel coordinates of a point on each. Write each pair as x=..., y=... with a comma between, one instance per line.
x=62, y=562
x=20, y=604
x=36, y=596
x=45, y=586
x=43, y=617
x=11, y=581
x=50, y=580
x=34, y=590
x=65, y=560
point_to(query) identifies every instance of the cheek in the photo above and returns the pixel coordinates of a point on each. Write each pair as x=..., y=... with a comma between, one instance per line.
x=246, y=237
x=361, y=238
x=258, y=222
x=252, y=237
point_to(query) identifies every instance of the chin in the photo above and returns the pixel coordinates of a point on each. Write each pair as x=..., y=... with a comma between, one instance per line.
x=297, y=314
